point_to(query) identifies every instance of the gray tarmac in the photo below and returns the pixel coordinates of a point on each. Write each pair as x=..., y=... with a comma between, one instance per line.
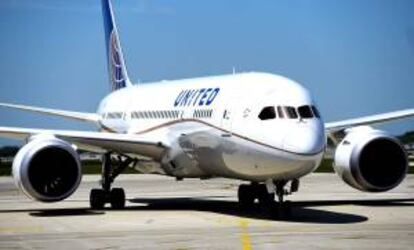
x=192, y=214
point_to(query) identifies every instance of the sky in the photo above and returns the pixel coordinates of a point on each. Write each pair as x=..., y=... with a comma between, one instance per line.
x=356, y=57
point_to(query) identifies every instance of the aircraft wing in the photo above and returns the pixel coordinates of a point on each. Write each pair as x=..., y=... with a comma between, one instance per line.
x=332, y=127
x=89, y=117
x=99, y=142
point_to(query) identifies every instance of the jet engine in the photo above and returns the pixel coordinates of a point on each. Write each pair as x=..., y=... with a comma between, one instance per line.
x=370, y=160
x=47, y=169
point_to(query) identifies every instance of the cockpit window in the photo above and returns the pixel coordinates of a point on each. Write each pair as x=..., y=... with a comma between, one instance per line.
x=267, y=113
x=291, y=112
x=305, y=112
x=316, y=112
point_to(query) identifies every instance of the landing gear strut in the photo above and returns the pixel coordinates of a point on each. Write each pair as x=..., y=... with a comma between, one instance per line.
x=281, y=191
x=111, y=168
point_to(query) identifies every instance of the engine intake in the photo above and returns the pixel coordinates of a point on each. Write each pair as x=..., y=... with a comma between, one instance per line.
x=371, y=160
x=47, y=169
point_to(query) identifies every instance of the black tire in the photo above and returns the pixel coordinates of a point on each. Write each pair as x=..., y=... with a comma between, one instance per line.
x=266, y=202
x=117, y=198
x=97, y=199
x=246, y=195
x=265, y=199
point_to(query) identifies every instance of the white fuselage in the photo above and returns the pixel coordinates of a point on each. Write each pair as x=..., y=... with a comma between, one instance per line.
x=213, y=127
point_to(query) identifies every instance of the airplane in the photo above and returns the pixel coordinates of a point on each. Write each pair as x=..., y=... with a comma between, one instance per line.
x=261, y=128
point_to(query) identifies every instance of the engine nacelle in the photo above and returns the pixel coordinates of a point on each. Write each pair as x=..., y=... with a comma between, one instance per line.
x=371, y=160
x=47, y=169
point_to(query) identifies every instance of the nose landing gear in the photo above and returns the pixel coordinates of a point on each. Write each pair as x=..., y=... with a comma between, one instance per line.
x=111, y=168
x=249, y=193
x=265, y=195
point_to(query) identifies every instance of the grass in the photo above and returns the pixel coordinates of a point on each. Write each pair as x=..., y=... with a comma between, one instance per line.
x=94, y=167
x=5, y=169
x=88, y=167
x=325, y=167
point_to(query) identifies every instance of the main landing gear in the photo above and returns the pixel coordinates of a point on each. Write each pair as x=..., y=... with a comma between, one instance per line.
x=248, y=194
x=111, y=168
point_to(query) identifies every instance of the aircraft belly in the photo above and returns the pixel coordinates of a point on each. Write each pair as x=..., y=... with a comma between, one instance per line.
x=213, y=154
x=257, y=163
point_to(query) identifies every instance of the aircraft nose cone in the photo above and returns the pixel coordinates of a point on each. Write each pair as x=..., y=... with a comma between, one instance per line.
x=304, y=140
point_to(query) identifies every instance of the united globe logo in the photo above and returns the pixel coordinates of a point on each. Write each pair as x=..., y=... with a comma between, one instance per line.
x=117, y=76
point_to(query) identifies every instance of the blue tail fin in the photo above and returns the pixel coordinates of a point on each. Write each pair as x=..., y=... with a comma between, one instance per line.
x=118, y=75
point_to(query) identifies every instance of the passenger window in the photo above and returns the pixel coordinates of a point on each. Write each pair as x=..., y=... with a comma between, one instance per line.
x=305, y=112
x=291, y=112
x=267, y=113
x=316, y=112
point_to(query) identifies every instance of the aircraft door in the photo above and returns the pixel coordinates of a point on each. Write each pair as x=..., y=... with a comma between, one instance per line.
x=229, y=115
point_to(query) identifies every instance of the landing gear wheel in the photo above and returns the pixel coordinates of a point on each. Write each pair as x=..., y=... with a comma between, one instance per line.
x=112, y=166
x=266, y=201
x=117, y=198
x=246, y=195
x=265, y=198
x=97, y=199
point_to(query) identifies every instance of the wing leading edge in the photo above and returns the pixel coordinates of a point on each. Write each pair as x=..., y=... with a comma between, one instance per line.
x=332, y=127
x=88, y=117
x=99, y=142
